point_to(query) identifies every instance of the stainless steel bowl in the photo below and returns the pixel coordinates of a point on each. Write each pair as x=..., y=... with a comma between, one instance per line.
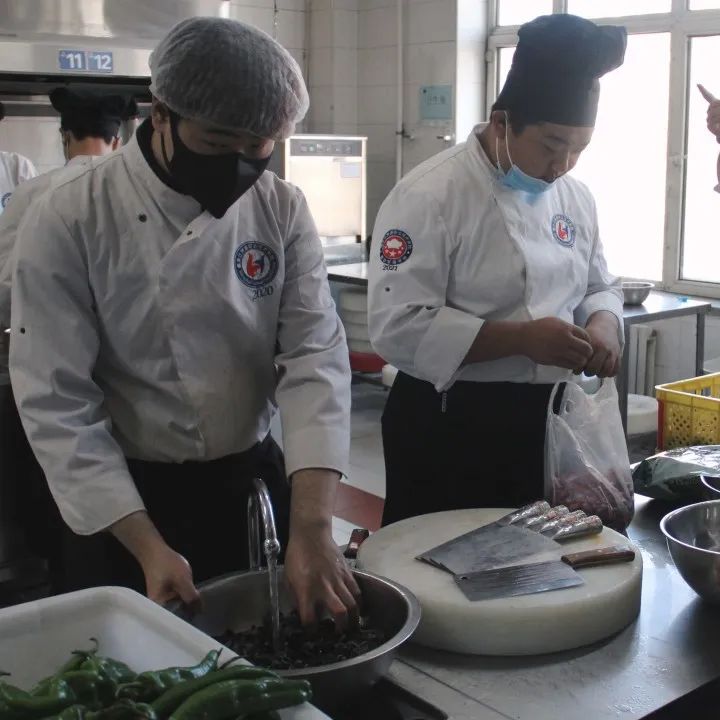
x=710, y=487
x=238, y=601
x=693, y=538
x=636, y=293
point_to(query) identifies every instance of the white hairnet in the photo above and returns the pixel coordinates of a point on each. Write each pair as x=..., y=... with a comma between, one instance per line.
x=230, y=74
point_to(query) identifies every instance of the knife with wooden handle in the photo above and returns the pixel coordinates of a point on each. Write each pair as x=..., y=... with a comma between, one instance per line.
x=540, y=577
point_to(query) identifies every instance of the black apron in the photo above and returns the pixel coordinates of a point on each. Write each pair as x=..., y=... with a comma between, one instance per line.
x=479, y=444
x=27, y=511
x=199, y=508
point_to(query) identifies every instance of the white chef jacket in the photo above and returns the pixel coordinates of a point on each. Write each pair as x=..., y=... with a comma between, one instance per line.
x=145, y=328
x=452, y=248
x=14, y=169
x=22, y=198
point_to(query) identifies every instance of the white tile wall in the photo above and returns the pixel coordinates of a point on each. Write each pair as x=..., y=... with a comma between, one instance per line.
x=363, y=35
x=430, y=21
x=377, y=27
x=36, y=138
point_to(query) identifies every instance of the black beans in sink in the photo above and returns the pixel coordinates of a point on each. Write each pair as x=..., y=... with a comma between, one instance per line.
x=302, y=647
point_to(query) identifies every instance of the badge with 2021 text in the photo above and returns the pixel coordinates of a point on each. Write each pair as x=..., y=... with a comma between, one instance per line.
x=395, y=248
x=563, y=230
x=256, y=266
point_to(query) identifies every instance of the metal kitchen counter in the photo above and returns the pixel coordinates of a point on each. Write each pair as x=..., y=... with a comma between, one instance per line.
x=671, y=651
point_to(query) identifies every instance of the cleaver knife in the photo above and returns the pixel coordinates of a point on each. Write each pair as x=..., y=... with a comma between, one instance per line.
x=493, y=546
x=537, y=577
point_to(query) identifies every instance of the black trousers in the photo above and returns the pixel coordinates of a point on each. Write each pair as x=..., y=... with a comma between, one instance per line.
x=478, y=445
x=27, y=512
x=200, y=509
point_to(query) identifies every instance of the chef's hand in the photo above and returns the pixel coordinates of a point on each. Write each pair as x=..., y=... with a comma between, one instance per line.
x=551, y=341
x=168, y=575
x=318, y=575
x=713, y=112
x=713, y=119
x=602, y=327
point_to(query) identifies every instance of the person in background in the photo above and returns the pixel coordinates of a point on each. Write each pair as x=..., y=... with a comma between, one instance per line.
x=488, y=283
x=713, y=123
x=89, y=126
x=14, y=169
x=164, y=298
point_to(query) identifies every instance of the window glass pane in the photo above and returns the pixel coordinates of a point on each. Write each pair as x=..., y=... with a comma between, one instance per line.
x=624, y=166
x=505, y=56
x=704, y=4
x=617, y=8
x=517, y=12
x=701, y=250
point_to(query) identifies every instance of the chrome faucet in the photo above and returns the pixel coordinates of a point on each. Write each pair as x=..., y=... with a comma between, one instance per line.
x=260, y=511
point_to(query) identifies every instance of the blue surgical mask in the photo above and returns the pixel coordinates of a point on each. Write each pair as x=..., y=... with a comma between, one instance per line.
x=515, y=178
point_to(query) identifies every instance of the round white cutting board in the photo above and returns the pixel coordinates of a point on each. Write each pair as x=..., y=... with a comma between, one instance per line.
x=608, y=601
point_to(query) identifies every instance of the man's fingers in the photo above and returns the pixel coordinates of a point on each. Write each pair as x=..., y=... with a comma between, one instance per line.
x=597, y=362
x=607, y=368
x=580, y=348
x=352, y=585
x=336, y=607
x=581, y=333
x=706, y=93
x=306, y=608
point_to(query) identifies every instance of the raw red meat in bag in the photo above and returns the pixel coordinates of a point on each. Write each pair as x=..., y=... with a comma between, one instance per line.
x=586, y=459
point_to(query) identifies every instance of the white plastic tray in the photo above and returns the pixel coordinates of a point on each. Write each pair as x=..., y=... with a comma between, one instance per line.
x=37, y=637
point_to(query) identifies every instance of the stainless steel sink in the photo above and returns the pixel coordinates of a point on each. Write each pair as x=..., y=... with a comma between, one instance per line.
x=240, y=600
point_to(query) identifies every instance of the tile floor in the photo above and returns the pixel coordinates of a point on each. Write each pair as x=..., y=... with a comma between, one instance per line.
x=361, y=495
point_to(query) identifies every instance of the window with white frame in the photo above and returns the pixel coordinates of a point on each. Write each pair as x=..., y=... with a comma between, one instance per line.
x=651, y=165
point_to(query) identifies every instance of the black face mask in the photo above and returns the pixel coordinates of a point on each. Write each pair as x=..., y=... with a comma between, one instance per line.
x=215, y=181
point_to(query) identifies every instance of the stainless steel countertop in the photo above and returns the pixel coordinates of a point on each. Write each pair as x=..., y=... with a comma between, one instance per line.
x=671, y=650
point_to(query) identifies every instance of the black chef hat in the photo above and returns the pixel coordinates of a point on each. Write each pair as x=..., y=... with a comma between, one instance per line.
x=555, y=69
x=87, y=114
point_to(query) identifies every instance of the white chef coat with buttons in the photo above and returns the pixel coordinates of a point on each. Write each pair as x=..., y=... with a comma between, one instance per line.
x=22, y=198
x=14, y=169
x=452, y=247
x=145, y=328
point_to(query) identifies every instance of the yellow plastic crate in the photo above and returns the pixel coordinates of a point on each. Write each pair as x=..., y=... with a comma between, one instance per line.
x=689, y=412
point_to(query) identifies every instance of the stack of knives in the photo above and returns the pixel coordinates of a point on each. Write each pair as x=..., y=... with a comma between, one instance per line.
x=481, y=560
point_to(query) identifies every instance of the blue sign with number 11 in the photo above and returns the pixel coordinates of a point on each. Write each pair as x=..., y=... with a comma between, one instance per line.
x=92, y=61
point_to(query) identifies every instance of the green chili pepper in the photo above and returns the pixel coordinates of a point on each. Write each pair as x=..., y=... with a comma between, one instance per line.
x=113, y=670
x=169, y=701
x=77, y=658
x=123, y=710
x=93, y=690
x=59, y=696
x=148, y=686
x=74, y=712
x=232, y=698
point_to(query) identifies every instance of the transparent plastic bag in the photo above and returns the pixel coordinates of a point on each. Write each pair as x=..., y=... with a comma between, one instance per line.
x=586, y=458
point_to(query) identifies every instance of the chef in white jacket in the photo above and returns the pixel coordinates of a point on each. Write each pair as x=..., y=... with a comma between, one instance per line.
x=14, y=169
x=164, y=299
x=488, y=283
x=89, y=126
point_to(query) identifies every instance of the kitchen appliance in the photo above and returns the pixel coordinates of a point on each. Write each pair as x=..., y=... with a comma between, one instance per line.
x=88, y=44
x=537, y=577
x=331, y=171
x=608, y=601
x=693, y=538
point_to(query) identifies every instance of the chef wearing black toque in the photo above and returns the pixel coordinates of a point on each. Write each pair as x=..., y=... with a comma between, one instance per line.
x=488, y=283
